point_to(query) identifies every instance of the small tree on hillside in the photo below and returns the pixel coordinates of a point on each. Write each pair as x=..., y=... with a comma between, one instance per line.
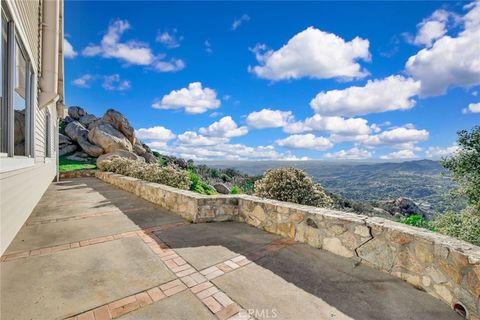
x=465, y=168
x=292, y=185
x=465, y=165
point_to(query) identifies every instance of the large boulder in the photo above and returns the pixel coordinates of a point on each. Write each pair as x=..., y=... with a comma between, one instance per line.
x=63, y=139
x=77, y=132
x=88, y=120
x=79, y=156
x=109, y=138
x=118, y=153
x=68, y=119
x=221, y=188
x=66, y=149
x=76, y=113
x=119, y=122
x=149, y=158
x=402, y=207
x=138, y=148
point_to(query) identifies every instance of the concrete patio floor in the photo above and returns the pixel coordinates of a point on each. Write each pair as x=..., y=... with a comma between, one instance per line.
x=92, y=251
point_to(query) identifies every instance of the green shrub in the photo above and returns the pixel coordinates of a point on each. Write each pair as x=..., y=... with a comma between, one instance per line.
x=197, y=185
x=292, y=185
x=416, y=221
x=464, y=225
x=464, y=165
x=236, y=190
x=151, y=172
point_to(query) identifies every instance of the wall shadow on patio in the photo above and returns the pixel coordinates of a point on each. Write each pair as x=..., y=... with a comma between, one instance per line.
x=356, y=290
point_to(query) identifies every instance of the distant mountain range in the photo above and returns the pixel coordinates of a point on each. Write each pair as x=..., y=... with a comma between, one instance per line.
x=424, y=181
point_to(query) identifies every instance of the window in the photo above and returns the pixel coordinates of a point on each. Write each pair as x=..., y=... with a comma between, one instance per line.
x=48, y=135
x=3, y=77
x=17, y=83
x=21, y=81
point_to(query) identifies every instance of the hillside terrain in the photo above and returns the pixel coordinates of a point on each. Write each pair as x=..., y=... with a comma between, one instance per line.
x=424, y=181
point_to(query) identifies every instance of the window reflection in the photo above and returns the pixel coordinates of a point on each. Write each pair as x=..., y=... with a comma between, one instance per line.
x=3, y=77
x=19, y=101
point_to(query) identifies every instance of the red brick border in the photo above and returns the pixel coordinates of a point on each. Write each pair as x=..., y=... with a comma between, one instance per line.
x=82, y=243
x=198, y=281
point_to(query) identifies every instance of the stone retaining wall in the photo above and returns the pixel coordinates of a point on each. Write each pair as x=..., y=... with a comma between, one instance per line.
x=190, y=205
x=78, y=173
x=447, y=268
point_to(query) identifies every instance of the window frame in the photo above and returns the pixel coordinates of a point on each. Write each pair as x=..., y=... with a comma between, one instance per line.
x=48, y=134
x=9, y=161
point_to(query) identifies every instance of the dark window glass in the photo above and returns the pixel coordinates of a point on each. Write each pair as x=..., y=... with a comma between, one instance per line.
x=3, y=77
x=20, y=102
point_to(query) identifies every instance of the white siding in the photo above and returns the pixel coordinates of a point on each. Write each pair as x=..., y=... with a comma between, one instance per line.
x=21, y=190
x=29, y=14
x=39, y=134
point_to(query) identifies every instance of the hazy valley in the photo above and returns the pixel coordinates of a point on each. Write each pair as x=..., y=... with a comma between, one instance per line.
x=424, y=181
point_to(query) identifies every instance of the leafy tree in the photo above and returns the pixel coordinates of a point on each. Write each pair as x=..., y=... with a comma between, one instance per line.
x=465, y=165
x=465, y=168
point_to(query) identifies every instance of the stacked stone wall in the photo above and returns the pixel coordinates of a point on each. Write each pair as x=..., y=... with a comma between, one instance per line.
x=446, y=268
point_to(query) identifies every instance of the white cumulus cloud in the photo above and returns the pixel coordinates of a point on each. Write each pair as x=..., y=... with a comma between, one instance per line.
x=440, y=152
x=450, y=61
x=400, y=138
x=68, y=50
x=169, y=38
x=224, y=127
x=313, y=53
x=268, y=118
x=351, y=154
x=115, y=83
x=472, y=108
x=401, y=154
x=131, y=52
x=84, y=81
x=336, y=125
x=391, y=93
x=227, y=151
x=432, y=28
x=157, y=133
x=194, y=139
x=305, y=141
x=194, y=99
x=238, y=22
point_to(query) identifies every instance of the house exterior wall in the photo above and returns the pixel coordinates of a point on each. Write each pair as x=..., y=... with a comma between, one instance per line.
x=23, y=180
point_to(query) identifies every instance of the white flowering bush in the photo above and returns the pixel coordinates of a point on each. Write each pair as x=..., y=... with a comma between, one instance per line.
x=291, y=185
x=151, y=172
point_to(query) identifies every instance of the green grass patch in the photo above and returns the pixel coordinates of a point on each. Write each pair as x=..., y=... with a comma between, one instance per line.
x=236, y=190
x=417, y=221
x=66, y=165
x=199, y=186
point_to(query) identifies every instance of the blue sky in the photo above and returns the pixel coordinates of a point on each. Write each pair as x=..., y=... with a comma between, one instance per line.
x=247, y=80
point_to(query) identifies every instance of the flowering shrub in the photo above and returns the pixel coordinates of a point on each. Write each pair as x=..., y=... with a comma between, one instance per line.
x=292, y=185
x=152, y=172
x=464, y=225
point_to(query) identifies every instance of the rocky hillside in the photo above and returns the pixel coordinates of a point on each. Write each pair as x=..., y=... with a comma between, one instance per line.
x=84, y=136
